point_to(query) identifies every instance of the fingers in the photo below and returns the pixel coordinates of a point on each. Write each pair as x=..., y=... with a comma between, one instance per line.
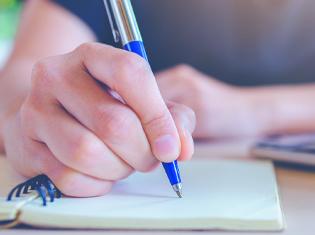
x=130, y=76
x=83, y=138
x=185, y=120
x=78, y=148
x=97, y=130
x=112, y=122
x=30, y=158
x=67, y=180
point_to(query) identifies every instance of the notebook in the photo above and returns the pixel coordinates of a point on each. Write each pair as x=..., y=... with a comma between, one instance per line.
x=218, y=194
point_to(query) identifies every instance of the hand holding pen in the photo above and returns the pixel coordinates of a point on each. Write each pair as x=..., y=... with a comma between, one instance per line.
x=69, y=128
x=129, y=34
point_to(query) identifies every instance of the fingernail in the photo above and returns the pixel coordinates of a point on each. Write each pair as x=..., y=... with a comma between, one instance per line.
x=166, y=148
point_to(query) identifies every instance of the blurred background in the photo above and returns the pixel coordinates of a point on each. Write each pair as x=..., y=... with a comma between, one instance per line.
x=9, y=17
x=241, y=42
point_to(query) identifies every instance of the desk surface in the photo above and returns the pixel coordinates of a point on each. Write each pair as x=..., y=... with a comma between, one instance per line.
x=297, y=193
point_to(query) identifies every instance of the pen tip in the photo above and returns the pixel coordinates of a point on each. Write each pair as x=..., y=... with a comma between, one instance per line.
x=179, y=194
x=178, y=189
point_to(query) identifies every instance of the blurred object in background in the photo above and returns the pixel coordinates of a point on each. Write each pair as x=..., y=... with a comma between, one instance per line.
x=9, y=17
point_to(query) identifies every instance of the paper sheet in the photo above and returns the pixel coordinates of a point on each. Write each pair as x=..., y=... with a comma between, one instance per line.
x=224, y=194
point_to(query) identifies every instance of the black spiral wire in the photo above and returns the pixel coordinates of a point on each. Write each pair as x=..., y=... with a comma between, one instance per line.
x=42, y=184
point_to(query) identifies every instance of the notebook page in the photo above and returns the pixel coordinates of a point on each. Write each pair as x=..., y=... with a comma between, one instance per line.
x=9, y=179
x=223, y=194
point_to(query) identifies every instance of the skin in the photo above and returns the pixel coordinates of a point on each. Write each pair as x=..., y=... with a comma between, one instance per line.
x=224, y=111
x=58, y=114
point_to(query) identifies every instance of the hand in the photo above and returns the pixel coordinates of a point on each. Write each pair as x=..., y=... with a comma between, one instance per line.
x=222, y=110
x=70, y=128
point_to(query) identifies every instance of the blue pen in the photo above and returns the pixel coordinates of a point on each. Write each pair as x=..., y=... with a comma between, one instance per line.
x=128, y=33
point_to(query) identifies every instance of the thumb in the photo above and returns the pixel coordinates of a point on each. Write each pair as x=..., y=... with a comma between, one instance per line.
x=185, y=121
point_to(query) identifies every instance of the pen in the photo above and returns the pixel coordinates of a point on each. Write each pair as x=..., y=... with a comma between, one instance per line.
x=128, y=33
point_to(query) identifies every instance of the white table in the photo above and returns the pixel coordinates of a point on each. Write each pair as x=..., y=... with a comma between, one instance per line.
x=297, y=189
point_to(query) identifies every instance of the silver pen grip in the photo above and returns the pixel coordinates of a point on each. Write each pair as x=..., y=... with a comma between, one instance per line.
x=124, y=18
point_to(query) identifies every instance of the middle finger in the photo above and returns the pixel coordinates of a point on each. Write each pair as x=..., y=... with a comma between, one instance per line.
x=113, y=122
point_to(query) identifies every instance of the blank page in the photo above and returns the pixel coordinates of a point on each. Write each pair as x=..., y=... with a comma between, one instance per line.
x=221, y=194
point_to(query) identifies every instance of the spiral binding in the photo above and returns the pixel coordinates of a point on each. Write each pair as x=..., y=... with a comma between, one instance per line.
x=42, y=184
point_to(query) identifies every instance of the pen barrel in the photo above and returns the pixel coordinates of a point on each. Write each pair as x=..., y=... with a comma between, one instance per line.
x=171, y=168
x=136, y=47
x=172, y=172
x=131, y=39
x=125, y=20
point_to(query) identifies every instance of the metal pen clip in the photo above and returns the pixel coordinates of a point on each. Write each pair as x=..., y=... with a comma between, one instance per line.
x=115, y=31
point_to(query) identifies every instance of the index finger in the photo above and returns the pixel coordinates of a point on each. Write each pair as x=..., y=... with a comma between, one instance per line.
x=131, y=77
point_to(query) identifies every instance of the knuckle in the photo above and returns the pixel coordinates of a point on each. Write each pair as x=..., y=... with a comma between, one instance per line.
x=47, y=73
x=131, y=68
x=183, y=70
x=116, y=123
x=42, y=75
x=159, y=122
x=82, y=150
x=85, y=48
x=50, y=73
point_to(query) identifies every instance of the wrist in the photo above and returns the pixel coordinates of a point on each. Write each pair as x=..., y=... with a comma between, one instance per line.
x=231, y=112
